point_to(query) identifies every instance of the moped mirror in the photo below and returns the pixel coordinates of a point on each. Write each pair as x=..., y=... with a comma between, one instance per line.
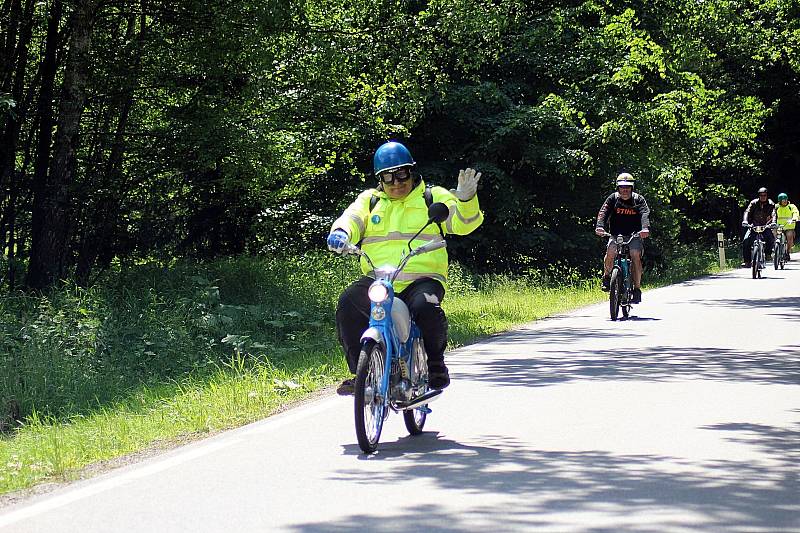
x=438, y=213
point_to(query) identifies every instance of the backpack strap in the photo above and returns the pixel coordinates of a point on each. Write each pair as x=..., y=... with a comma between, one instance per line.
x=427, y=194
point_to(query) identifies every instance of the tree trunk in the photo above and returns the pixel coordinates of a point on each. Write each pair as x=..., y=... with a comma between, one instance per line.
x=53, y=201
x=9, y=138
x=102, y=221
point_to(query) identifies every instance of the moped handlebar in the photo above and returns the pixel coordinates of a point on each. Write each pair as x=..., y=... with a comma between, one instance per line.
x=352, y=249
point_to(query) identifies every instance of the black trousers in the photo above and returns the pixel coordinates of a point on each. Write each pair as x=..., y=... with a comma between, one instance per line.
x=423, y=298
x=747, y=243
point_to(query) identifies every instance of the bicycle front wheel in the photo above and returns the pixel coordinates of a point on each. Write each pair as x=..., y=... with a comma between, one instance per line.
x=615, y=293
x=370, y=407
x=415, y=418
x=755, y=258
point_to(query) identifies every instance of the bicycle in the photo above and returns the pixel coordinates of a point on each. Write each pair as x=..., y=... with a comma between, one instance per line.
x=392, y=370
x=779, y=251
x=757, y=253
x=620, y=294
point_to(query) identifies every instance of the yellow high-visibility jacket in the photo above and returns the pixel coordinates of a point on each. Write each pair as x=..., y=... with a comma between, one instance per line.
x=787, y=213
x=385, y=230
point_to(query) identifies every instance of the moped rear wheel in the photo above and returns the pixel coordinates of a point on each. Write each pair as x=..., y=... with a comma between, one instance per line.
x=370, y=406
x=615, y=293
x=415, y=418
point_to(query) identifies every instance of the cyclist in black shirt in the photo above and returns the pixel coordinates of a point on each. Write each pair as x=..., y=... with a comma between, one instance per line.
x=625, y=212
x=760, y=212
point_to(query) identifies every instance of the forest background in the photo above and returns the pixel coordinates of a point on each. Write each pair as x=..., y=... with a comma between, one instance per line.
x=155, y=130
x=165, y=166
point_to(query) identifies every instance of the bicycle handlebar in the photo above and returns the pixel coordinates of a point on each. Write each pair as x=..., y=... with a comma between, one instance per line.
x=618, y=237
x=765, y=227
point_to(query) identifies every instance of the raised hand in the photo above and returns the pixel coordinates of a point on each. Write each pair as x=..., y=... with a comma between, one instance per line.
x=467, y=184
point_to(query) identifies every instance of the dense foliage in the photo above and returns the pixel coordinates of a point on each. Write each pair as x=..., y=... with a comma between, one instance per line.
x=136, y=129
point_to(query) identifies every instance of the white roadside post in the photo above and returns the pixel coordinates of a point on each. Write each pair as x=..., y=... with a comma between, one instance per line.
x=721, y=246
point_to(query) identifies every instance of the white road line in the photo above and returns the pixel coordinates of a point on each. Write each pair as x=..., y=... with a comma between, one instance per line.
x=213, y=445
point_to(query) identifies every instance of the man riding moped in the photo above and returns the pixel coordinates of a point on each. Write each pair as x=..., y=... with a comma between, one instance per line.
x=382, y=220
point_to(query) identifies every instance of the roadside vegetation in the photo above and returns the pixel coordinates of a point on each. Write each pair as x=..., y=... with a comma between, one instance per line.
x=155, y=355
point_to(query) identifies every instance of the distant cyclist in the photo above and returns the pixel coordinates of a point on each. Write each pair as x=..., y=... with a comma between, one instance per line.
x=759, y=212
x=787, y=217
x=625, y=212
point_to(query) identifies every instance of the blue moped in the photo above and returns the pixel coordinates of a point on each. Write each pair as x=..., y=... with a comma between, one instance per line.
x=392, y=371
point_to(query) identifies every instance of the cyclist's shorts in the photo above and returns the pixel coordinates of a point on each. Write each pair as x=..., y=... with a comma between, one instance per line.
x=636, y=243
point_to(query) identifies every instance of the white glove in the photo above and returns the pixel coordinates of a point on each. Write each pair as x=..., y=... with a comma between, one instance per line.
x=467, y=184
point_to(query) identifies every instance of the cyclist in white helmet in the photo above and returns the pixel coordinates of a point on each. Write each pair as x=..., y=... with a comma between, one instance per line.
x=625, y=212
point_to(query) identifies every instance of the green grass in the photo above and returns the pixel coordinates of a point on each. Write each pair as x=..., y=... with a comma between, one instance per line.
x=153, y=356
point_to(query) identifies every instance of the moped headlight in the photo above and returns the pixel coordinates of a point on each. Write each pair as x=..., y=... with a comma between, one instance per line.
x=378, y=312
x=378, y=292
x=620, y=239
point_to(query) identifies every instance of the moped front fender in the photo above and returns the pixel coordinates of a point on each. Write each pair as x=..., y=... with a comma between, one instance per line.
x=374, y=334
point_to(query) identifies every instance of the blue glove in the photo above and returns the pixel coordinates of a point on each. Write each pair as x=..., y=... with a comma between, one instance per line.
x=337, y=240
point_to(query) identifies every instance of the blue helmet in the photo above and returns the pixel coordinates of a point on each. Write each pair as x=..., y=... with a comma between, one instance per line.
x=390, y=156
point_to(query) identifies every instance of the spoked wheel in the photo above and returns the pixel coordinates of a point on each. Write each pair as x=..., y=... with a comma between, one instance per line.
x=415, y=418
x=755, y=259
x=615, y=293
x=370, y=409
x=777, y=257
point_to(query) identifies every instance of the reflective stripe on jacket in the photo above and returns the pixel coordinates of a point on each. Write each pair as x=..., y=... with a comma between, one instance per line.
x=787, y=213
x=384, y=232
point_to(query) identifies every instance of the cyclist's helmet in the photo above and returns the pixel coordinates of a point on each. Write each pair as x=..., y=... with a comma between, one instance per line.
x=783, y=196
x=762, y=190
x=390, y=156
x=625, y=179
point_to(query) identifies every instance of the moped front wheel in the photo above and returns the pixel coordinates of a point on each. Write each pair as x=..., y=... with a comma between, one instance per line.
x=615, y=293
x=370, y=405
x=415, y=418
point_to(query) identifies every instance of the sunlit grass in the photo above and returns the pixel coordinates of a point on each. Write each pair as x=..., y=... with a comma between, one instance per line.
x=241, y=392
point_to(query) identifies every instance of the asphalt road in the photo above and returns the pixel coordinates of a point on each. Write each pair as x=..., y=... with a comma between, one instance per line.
x=684, y=418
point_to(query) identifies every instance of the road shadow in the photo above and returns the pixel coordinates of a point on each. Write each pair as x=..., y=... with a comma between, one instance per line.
x=637, y=318
x=541, y=363
x=565, y=490
x=785, y=307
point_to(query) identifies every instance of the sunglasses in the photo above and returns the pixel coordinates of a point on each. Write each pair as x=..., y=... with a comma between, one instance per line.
x=398, y=175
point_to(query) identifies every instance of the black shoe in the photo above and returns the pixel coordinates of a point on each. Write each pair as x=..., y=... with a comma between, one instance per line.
x=347, y=387
x=605, y=285
x=637, y=296
x=438, y=376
